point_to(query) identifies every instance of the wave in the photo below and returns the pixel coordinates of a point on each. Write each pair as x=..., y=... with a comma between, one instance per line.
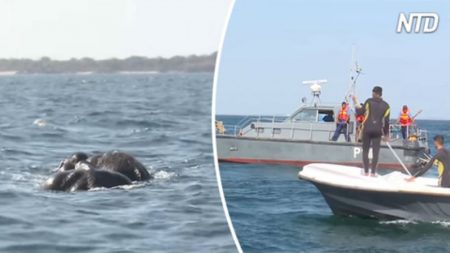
x=442, y=223
x=399, y=222
x=445, y=224
x=12, y=152
x=148, y=121
x=145, y=123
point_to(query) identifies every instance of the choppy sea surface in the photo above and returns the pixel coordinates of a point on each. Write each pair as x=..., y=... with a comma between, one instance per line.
x=273, y=211
x=161, y=119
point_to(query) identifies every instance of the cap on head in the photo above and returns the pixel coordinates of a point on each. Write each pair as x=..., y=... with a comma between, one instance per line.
x=378, y=90
x=439, y=139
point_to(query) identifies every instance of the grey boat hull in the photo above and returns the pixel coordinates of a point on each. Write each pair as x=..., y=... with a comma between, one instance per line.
x=238, y=149
x=386, y=205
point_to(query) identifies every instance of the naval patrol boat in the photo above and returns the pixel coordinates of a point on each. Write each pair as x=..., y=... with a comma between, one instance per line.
x=304, y=137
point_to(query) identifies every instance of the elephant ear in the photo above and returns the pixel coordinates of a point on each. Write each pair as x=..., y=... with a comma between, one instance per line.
x=61, y=164
x=66, y=165
x=95, y=160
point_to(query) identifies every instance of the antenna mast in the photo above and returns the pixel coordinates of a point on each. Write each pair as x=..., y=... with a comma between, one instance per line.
x=355, y=71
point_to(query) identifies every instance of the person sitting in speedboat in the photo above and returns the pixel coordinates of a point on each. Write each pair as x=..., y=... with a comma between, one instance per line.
x=441, y=160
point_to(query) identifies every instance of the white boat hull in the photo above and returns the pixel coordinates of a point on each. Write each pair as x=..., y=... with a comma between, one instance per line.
x=348, y=192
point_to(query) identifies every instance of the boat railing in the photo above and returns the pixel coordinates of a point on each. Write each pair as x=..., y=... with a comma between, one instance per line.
x=243, y=126
x=252, y=123
x=413, y=133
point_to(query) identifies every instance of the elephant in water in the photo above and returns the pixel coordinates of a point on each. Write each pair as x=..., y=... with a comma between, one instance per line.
x=81, y=172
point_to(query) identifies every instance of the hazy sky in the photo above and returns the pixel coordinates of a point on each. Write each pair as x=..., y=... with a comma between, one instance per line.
x=62, y=29
x=272, y=46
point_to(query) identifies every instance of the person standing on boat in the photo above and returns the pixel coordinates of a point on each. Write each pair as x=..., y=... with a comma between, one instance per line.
x=441, y=160
x=374, y=127
x=342, y=121
x=405, y=120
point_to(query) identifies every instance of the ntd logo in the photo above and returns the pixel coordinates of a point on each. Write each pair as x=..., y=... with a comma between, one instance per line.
x=420, y=21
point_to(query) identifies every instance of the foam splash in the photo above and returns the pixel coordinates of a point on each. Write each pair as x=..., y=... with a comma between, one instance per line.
x=442, y=223
x=398, y=222
x=164, y=174
x=40, y=122
x=445, y=224
x=121, y=187
x=134, y=185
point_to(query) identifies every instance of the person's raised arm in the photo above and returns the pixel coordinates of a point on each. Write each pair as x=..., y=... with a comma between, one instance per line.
x=356, y=103
x=362, y=109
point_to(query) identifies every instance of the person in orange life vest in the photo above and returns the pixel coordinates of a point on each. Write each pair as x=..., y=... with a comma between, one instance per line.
x=342, y=121
x=360, y=117
x=405, y=120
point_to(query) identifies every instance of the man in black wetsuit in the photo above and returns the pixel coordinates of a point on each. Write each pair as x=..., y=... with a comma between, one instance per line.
x=441, y=159
x=374, y=127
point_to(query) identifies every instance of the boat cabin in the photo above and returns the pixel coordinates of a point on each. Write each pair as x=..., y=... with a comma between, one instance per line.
x=315, y=123
x=325, y=114
x=312, y=123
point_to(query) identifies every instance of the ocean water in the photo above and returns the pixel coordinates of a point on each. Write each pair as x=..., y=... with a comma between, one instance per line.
x=161, y=119
x=273, y=211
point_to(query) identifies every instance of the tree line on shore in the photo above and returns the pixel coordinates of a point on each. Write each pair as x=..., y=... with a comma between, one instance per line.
x=193, y=63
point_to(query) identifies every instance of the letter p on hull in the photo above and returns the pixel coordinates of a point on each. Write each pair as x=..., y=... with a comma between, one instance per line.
x=356, y=152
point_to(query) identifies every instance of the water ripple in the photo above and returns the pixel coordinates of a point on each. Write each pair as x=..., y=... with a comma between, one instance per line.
x=140, y=114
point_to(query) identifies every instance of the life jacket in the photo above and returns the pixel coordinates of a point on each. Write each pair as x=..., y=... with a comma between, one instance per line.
x=405, y=119
x=343, y=114
x=360, y=118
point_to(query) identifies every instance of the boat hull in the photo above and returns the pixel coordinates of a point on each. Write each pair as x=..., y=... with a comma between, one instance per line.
x=299, y=153
x=390, y=196
x=385, y=206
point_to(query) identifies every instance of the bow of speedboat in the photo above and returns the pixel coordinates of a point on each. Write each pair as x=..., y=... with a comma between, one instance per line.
x=349, y=192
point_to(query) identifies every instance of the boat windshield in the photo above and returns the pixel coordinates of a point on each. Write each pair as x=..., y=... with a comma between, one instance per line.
x=326, y=115
x=306, y=115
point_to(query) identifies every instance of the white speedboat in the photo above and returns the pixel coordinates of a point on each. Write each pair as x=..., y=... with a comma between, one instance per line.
x=389, y=196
